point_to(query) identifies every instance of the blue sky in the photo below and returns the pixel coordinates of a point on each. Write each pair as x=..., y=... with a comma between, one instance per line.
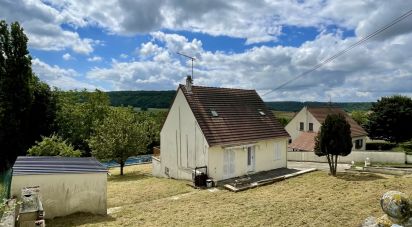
x=132, y=45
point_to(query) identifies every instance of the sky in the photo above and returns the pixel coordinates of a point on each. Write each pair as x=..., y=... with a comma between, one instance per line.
x=132, y=45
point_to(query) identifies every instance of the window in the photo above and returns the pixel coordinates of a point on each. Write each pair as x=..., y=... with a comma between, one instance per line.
x=301, y=126
x=358, y=144
x=278, y=151
x=310, y=127
x=290, y=141
x=261, y=112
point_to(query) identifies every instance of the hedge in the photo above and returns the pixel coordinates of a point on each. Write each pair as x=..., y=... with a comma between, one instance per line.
x=380, y=146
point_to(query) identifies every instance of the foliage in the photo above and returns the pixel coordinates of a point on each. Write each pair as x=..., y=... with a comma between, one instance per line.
x=78, y=113
x=154, y=122
x=333, y=140
x=143, y=99
x=42, y=111
x=53, y=146
x=296, y=106
x=391, y=119
x=283, y=121
x=26, y=106
x=120, y=135
x=360, y=116
x=383, y=146
x=407, y=147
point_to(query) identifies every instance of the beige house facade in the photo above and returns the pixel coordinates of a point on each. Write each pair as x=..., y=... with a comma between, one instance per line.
x=307, y=122
x=229, y=131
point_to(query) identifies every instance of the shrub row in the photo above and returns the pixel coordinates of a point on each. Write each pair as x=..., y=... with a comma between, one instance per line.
x=380, y=146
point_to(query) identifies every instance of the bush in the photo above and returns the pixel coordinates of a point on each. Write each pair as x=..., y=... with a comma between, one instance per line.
x=380, y=146
x=407, y=147
x=53, y=146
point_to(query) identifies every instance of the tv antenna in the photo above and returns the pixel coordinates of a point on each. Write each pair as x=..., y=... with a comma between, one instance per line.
x=189, y=57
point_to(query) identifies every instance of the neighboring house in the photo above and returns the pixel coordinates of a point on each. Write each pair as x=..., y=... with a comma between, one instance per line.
x=306, y=123
x=228, y=130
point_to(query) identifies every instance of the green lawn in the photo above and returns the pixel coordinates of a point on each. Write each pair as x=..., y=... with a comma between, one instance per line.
x=314, y=199
x=284, y=114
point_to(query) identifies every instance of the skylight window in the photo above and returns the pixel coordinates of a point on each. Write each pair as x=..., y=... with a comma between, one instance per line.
x=261, y=112
x=214, y=113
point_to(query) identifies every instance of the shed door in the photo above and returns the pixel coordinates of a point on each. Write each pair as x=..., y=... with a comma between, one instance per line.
x=228, y=163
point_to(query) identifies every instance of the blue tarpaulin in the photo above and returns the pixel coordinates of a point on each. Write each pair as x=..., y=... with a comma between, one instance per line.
x=135, y=160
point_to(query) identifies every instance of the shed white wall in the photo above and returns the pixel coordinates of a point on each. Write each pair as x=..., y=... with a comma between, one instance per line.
x=64, y=194
x=264, y=158
x=182, y=143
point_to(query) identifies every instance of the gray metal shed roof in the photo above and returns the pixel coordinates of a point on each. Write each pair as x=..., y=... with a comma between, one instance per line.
x=35, y=165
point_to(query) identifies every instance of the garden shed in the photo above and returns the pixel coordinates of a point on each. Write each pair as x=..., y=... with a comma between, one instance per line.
x=67, y=185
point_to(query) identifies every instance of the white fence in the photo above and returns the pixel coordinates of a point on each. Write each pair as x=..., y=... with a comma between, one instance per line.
x=357, y=156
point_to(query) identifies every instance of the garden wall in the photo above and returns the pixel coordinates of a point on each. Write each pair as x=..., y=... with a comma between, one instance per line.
x=357, y=156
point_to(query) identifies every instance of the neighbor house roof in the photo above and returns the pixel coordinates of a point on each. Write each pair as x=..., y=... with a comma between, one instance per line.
x=304, y=142
x=232, y=116
x=34, y=165
x=320, y=114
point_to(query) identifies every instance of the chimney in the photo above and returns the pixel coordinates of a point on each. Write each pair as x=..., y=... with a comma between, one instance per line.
x=189, y=83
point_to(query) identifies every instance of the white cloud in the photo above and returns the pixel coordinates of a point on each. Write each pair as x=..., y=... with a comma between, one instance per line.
x=42, y=24
x=66, y=79
x=67, y=57
x=124, y=56
x=376, y=69
x=94, y=59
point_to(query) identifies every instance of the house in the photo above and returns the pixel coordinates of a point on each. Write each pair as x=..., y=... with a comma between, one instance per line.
x=67, y=185
x=230, y=131
x=305, y=125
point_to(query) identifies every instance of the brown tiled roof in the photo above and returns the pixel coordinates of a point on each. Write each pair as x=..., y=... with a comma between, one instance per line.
x=320, y=114
x=304, y=142
x=238, y=120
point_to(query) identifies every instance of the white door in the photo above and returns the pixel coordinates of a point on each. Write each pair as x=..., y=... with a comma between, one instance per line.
x=228, y=163
x=251, y=159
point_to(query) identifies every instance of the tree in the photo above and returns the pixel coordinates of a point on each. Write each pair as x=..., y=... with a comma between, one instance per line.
x=15, y=93
x=53, y=146
x=77, y=115
x=391, y=119
x=360, y=116
x=119, y=136
x=42, y=111
x=333, y=140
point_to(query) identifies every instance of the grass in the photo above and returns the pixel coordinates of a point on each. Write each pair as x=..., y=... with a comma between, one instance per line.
x=284, y=114
x=314, y=199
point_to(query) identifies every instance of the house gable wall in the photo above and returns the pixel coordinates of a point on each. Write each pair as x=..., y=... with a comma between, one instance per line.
x=302, y=116
x=182, y=143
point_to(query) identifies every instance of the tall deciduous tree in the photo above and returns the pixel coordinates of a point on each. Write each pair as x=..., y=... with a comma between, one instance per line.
x=77, y=115
x=119, y=136
x=391, y=119
x=333, y=140
x=15, y=93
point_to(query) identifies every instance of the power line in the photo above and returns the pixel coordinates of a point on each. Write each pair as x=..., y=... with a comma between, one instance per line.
x=340, y=53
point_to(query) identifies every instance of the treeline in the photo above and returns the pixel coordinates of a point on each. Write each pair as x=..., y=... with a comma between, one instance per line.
x=163, y=99
x=142, y=99
x=292, y=106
